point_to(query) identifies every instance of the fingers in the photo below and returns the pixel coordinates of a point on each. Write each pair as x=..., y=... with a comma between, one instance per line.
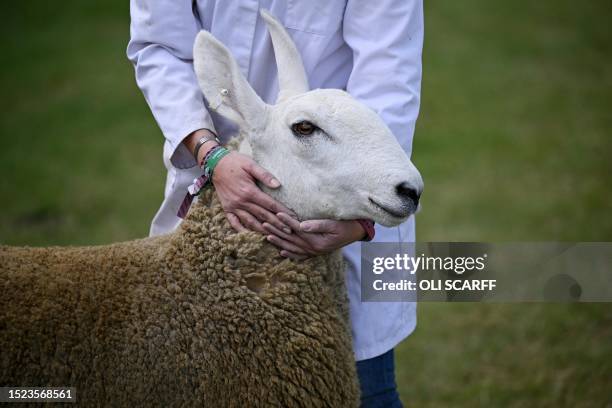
x=264, y=215
x=235, y=222
x=250, y=213
x=261, y=174
x=297, y=240
x=319, y=226
x=269, y=203
x=274, y=230
x=289, y=221
x=286, y=245
x=249, y=221
x=240, y=195
x=292, y=238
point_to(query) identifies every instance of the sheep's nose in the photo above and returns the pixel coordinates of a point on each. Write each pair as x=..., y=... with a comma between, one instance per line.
x=408, y=193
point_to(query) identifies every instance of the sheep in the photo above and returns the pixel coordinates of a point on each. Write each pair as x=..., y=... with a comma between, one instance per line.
x=207, y=316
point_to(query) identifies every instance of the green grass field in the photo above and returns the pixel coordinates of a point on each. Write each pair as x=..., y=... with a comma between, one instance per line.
x=514, y=142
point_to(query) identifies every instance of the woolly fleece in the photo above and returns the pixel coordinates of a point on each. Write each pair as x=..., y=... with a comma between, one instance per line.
x=203, y=316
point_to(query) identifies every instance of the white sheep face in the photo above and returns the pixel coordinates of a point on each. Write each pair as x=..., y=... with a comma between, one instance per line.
x=334, y=156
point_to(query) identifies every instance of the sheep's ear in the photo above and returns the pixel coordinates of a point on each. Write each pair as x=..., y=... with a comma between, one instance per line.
x=292, y=78
x=224, y=86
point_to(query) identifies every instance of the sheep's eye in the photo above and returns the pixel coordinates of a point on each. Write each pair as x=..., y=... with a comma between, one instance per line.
x=303, y=128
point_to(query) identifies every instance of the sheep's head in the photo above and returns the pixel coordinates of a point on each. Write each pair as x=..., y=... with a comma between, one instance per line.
x=334, y=157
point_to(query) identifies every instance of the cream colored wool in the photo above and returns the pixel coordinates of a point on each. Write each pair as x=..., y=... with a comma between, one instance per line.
x=200, y=317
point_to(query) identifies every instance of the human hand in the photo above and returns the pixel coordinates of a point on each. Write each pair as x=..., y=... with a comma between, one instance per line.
x=245, y=205
x=312, y=237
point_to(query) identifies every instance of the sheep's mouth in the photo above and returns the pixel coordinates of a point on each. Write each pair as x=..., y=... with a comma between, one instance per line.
x=390, y=211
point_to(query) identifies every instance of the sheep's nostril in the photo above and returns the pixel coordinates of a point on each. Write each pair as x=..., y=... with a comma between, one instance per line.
x=408, y=192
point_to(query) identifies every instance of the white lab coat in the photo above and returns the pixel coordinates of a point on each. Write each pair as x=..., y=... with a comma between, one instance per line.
x=372, y=49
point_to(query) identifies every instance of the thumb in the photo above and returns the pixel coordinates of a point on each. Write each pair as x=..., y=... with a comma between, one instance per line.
x=318, y=226
x=262, y=175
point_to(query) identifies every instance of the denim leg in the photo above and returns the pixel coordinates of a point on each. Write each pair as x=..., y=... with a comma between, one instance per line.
x=377, y=381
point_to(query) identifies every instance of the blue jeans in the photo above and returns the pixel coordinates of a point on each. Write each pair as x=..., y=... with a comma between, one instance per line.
x=377, y=381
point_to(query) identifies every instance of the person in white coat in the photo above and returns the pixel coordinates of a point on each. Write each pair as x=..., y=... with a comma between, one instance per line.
x=370, y=49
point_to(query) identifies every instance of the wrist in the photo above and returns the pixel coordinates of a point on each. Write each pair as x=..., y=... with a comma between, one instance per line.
x=191, y=142
x=205, y=149
x=210, y=162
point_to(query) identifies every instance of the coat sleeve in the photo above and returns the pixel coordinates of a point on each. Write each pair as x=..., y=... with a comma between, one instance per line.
x=386, y=38
x=162, y=33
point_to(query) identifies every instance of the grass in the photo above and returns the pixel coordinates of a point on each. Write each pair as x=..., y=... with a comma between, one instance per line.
x=79, y=151
x=516, y=122
x=513, y=141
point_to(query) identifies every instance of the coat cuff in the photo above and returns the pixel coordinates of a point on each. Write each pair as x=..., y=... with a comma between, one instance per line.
x=181, y=157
